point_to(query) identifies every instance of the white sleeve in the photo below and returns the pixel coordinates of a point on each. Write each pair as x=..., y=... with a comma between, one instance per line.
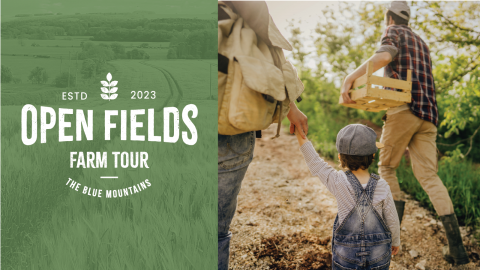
x=318, y=167
x=391, y=218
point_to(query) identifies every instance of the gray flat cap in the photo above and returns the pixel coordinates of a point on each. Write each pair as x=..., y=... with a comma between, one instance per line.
x=357, y=140
x=398, y=6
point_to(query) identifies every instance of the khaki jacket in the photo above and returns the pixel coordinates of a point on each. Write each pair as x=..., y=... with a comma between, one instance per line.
x=255, y=81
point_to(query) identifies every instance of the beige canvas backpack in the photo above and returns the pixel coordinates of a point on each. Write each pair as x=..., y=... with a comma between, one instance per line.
x=255, y=81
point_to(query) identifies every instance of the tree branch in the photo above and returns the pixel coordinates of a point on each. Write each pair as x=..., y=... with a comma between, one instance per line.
x=453, y=144
x=471, y=141
x=459, y=76
x=469, y=42
x=455, y=25
x=467, y=139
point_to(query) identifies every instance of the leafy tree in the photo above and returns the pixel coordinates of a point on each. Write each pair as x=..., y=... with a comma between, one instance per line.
x=45, y=35
x=137, y=54
x=194, y=44
x=102, y=52
x=172, y=53
x=119, y=50
x=65, y=79
x=90, y=67
x=7, y=75
x=38, y=75
x=452, y=27
x=75, y=30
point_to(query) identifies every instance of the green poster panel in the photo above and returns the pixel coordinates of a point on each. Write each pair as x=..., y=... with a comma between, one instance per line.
x=108, y=134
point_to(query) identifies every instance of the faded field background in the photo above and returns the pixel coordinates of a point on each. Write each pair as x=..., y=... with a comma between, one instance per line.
x=47, y=225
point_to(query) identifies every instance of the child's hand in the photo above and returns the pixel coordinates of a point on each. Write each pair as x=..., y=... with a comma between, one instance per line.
x=395, y=250
x=300, y=139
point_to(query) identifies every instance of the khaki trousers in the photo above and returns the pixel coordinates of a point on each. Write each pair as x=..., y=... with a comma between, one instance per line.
x=404, y=129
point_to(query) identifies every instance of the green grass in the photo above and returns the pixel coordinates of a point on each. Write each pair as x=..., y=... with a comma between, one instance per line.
x=460, y=177
x=462, y=181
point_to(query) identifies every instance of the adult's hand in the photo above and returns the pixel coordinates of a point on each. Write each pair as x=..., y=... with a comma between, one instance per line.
x=344, y=91
x=297, y=119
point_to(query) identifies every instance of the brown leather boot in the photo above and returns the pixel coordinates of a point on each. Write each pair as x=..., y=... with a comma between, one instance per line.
x=455, y=252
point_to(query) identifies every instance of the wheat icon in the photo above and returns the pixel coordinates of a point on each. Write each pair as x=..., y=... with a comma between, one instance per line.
x=109, y=92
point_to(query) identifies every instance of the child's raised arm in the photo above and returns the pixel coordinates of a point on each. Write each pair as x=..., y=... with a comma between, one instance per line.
x=318, y=167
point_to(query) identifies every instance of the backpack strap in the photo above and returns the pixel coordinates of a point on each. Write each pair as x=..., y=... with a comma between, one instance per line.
x=223, y=63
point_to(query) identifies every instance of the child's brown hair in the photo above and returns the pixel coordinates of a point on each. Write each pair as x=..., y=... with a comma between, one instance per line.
x=354, y=163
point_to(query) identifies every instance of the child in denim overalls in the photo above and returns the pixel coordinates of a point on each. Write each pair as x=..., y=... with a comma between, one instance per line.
x=366, y=231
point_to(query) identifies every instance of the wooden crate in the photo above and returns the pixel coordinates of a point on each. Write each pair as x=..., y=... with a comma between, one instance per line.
x=373, y=99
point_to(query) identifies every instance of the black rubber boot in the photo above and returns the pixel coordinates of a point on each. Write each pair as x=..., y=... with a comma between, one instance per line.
x=400, y=206
x=455, y=252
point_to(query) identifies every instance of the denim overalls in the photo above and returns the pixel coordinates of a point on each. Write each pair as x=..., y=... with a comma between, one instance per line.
x=362, y=240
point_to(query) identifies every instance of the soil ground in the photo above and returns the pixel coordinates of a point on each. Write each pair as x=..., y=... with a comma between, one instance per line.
x=285, y=216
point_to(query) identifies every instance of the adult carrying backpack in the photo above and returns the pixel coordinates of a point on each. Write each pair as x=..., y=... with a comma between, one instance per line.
x=255, y=81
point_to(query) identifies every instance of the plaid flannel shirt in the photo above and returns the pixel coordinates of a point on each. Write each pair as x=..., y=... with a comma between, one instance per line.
x=413, y=53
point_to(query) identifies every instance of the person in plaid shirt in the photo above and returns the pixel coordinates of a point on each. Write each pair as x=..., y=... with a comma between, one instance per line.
x=412, y=125
x=409, y=51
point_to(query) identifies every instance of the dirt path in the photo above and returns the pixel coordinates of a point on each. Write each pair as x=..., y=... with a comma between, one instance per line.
x=285, y=216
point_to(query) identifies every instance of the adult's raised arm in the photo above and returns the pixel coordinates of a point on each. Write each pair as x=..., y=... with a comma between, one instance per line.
x=379, y=60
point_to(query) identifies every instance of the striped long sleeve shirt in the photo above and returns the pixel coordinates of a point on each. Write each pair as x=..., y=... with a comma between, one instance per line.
x=337, y=183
